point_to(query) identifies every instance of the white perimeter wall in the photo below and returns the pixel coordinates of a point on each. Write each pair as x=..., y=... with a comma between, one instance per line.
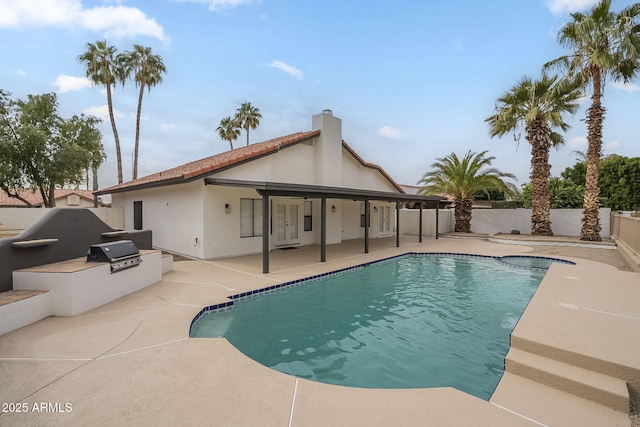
x=25, y=217
x=410, y=220
x=564, y=222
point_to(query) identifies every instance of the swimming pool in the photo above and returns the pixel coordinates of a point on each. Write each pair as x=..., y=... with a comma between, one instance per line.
x=413, y=321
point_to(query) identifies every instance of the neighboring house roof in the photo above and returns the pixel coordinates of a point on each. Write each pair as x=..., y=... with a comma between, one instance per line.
x=35, y=198
x=203, y=167
x=410, y=189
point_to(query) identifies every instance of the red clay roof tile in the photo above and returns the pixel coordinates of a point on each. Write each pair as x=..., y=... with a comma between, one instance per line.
x=211, y=164
x=237, y=156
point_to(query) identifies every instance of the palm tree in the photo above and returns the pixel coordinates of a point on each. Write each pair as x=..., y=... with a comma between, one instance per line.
x=603, y=44
x=228, y=130
x=538, y=106
x=248, y=116
x=102, y=68
x=147, y=70
x=462, y=178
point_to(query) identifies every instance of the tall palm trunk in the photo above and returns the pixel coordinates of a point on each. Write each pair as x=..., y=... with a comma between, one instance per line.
x=115, y=133
x=538, y=135
x=135, y=150
x=595, y=116
x=247, y=129
x=462, y=214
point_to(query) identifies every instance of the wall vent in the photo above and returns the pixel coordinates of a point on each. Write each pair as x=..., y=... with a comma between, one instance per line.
x=73, y=200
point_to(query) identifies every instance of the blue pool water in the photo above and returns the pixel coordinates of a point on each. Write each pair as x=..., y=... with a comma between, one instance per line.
x=408, y=322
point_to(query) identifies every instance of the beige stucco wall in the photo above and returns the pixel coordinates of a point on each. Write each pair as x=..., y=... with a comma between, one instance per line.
x=82, y=203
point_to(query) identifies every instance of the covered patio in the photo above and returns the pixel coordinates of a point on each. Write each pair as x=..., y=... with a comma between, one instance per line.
x=272, y=189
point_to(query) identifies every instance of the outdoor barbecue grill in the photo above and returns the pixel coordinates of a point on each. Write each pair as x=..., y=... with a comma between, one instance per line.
x=121, y=254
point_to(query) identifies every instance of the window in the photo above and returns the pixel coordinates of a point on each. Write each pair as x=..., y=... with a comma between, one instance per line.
x=308, y=216
x=362, y=219
x=137, y=215
x=250, y=217
x=385, y=219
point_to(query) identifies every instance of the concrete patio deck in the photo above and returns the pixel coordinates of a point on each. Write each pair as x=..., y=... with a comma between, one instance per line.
x=131, y=362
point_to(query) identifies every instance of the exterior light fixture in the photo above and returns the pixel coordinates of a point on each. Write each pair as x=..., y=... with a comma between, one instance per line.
x=333, y=208
x=227, y=208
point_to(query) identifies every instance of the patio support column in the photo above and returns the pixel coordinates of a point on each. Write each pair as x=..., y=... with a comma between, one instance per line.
x=397, y=224
x=266, y=214
x=366, y=226
x=420, y=225
x=323, y=230
x=437, y=218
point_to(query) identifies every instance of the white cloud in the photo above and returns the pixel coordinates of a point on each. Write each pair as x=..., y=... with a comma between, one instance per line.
x=20, y=72
x=389, y=132
x=579, y=142
x=102, y=112
x=629, y=87
x=69, y=83
x=117, y=21
x=561, y=7
x=167, y=126
x=216, y=5
x=292, y=71
x=612, y=145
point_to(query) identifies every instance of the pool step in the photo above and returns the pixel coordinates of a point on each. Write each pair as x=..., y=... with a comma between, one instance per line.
x=551, y=407
x=602, y=389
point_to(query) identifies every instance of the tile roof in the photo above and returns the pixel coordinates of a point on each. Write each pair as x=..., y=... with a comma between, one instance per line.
x=203, y=167
x=35, y=198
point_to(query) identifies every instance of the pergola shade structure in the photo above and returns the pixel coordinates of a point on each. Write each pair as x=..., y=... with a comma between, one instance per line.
x=279, y=189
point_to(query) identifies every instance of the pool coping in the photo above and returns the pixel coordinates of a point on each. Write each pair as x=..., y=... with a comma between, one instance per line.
x=131, y=361
x=223, y=306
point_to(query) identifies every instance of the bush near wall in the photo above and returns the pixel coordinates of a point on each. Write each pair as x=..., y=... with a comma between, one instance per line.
x=505, y=204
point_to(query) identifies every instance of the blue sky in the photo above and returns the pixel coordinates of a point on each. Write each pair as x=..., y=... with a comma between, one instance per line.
x=411, y=80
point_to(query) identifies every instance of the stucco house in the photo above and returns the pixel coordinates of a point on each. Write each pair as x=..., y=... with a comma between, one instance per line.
x=63, y=197
x=313, y=187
